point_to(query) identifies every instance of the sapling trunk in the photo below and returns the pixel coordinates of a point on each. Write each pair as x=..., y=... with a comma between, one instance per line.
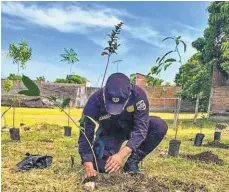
x=210, y=103
x=91, y=147
x=3, y=114
x=180, y=98
x=108, y=59
x=69, y=115
x=4, y=120
x=176, y=117
x=13, y=116
x=196, y=109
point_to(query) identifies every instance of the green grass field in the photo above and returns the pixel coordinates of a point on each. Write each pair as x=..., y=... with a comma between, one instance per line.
x=173, y=173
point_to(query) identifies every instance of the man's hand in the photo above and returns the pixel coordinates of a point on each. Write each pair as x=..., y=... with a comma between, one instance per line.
x=89, y=170
x=113, y=163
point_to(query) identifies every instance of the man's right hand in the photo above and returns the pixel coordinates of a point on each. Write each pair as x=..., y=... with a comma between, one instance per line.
x=89, y=170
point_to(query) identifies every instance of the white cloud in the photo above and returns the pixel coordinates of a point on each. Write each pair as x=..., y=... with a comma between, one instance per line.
x=146, y=34
x=64, y=19
x=188, y=27
x=74, y=18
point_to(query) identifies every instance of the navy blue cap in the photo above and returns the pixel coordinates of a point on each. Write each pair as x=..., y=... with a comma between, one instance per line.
x=116, y=92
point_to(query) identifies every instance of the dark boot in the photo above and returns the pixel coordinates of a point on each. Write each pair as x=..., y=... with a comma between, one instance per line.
x=131, y=165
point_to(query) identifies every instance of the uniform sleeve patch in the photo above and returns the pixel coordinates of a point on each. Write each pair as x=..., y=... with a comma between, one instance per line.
x=130, y=109
x=141, y=106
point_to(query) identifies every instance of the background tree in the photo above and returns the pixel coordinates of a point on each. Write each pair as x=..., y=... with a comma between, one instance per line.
x=213, y=45
x=20, y=54
x=152, y=81
x=133, y=78
x=69, y=56
x=196, y=82
x=168, y=84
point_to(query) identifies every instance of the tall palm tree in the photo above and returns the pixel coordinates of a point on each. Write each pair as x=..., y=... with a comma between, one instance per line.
x=69, y=56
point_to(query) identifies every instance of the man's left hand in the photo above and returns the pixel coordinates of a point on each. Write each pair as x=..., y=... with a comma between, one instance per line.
x=113, y=163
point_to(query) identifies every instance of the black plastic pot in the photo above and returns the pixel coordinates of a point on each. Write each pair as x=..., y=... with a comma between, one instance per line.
x=67, y=131
x=174, y=147
x=15, y=134
x=199, y=139
x=217, y=136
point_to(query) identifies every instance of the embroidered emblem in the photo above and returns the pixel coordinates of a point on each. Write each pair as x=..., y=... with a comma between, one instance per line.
x=107, y=116
x=141, y=106
x=115, y=100
x=130, y=108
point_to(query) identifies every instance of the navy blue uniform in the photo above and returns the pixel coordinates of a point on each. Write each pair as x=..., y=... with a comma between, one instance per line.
x=143, y=133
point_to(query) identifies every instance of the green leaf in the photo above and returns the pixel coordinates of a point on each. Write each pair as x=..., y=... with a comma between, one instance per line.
x=82, y=118
x=168, y=38
x=166, y=66
x=170, y=60
x=154, y=69
x=148, y=74
x=185, y=47
x=52, y=98
x=66, y=102
x=165, y=56
x=157, y=59
x=178, y=37
x=24, y=92
x=104, y=53
x=158, y=71
x=31, y=86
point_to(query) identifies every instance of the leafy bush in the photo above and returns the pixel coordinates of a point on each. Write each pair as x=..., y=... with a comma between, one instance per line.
x=13, y=76
x=73, y=79
x=8, y=84
x=42, y=78
x=76, y=79
x=60, y=80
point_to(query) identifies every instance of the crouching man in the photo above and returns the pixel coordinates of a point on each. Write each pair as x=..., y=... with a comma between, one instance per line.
x=122, y=111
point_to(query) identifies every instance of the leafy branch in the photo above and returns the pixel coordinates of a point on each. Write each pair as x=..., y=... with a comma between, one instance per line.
x=112, y=46
x=165, y=62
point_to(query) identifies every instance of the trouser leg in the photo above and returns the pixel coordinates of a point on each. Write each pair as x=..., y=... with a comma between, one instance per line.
x=156, y=131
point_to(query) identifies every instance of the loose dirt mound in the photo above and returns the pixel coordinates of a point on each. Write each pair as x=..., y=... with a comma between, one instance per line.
x=126, y=183
x=189, y=187
x=216, y=144
x=207, y=157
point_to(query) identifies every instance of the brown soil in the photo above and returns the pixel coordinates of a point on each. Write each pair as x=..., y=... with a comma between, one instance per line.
x=216, y=144
x=189, y=187
x=126, y=183
x=207, y=157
